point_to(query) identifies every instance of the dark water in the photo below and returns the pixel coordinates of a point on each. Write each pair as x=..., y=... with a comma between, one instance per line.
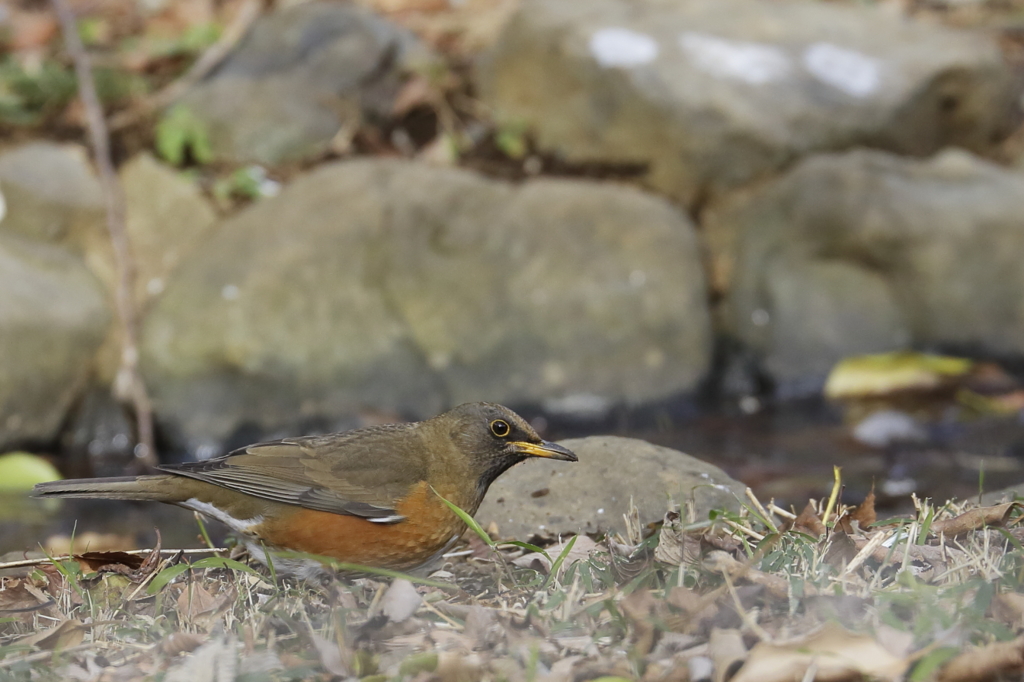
x=785, y=452
x=788, y=451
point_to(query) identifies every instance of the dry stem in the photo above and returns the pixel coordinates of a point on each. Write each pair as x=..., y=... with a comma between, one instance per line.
x=129, y=376
x=206, y=63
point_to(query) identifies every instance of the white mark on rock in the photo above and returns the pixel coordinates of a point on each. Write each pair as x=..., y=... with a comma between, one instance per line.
x=579, y=404
x=554, y=374
x=613, y=47
x=264, y=185
x=898, y=487
x=856, y=74
x=229, y=292
x=439, y=360
x=601, y=510
x=760, y=317
x=754, y=63
x=654, y=358
x=155, y=286
x=750, y=404
x=207, y=451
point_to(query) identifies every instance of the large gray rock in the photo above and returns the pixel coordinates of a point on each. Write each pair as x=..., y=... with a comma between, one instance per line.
x=714, y=94
x=402, y=287
x=50, y=192
x=167, y=217
x=545, y=497
x=300, y=75
x=52, y=318
x=865, y=251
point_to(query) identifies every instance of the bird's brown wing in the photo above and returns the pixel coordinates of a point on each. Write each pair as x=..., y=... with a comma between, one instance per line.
x=359, y=473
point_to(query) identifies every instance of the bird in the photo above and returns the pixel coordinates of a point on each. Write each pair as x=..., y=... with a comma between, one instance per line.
x=372, y=496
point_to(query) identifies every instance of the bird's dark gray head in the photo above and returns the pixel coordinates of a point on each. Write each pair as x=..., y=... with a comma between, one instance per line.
x=497, y=438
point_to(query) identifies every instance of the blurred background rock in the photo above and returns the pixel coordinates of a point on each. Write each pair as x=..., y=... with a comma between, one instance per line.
x=652, y=218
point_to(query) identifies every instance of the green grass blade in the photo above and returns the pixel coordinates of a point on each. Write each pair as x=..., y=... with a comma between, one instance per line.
x=527, y=546
x=202, y=530
x=165, y=576
x=270, y=565
x=468, y=520
x=558, y=562
x=359, y=568
x=221, y=562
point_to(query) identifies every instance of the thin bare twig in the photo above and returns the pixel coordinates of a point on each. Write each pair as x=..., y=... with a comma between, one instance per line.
x=207, y=62
x=43, y=655
x=129, y=380
x=23, y=563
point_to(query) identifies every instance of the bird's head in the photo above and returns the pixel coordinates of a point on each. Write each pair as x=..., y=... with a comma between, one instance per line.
x=496, y=438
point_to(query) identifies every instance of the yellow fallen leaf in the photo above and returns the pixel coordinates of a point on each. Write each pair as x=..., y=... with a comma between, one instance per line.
x=22, y=470
x=874, y=375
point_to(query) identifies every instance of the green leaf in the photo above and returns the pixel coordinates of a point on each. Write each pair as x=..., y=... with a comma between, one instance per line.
x=425, y=662
x=180, y=132
x=221, y=562
x=359, y=568
x=22, y=470
x=558, y=562
x=527, y=546
x=886, y=373
x=929, y=665
x=511, y=140
x=468, y=520
x=165, y=576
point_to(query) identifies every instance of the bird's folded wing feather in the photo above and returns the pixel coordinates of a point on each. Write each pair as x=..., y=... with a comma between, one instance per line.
x=359, y=473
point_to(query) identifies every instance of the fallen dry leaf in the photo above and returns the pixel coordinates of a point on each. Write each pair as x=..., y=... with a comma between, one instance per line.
x=835, y=653
x=640, y=608
x=116, y=562
x=975, y=519
x=180, y=643
x=675, y=546
x=215, y=661
x=808, y=522
x=28, y=30
x=727, y=651
x=17, y=597
x=193, y=600
x=860, y=517
x=983, y=663
x=841, y=549
x=68, y=634
x=400, y=601
x=459, y=667
x=332, y=657
x=776, y=585
x=1008, y=608
x=199, y=608
x=483, y=626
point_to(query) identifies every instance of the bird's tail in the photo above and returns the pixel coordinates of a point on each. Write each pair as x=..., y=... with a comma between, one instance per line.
x=120, y=488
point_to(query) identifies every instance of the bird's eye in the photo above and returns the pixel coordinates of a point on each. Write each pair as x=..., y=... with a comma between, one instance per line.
x=500, y=428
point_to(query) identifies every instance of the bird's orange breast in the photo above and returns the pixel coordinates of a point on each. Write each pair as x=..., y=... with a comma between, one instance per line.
x=429, y=525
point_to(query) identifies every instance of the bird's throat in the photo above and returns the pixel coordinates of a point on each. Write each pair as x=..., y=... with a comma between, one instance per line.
x=497, y=467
